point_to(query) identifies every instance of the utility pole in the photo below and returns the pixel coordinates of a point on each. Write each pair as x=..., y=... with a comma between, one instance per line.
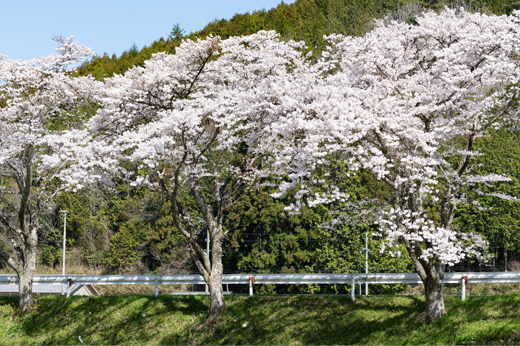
x=366, y=262
x=366, y=251
x=64, y=240
x=207, y=251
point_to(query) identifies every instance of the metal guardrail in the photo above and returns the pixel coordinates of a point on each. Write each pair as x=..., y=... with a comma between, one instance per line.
x=252, y=279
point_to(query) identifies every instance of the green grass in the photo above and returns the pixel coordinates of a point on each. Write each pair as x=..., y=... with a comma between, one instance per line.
x=291, y=320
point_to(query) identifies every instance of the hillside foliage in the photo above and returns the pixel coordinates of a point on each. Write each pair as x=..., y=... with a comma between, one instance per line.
x=303, y=20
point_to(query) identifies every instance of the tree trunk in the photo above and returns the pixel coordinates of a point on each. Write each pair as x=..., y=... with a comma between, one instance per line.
x=25, y=281
x=217, y=304
x=434, y=290
x=216, y=292
x=431, y=273
x=209, y=265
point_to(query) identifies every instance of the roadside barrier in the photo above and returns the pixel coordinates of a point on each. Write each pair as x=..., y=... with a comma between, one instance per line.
x=258, y=279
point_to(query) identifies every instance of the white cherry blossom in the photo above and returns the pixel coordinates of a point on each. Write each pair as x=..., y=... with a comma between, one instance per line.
x=406, y=102
x=202, y=116
x=40, y=99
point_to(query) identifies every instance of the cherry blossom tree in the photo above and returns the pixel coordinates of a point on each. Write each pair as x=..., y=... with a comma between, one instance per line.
x=407, y=102
x=40, y=100
x=197, y=122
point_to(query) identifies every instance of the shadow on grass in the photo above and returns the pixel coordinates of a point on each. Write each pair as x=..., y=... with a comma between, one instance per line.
x=108, y=320
x=270, y=320
x=9, y=301
x=304, y=320
x=372, y=320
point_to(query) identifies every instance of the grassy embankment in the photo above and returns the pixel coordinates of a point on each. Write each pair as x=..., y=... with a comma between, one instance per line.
x=292, y=320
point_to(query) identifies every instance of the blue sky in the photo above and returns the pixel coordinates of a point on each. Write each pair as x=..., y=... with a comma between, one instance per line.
x=110, y=26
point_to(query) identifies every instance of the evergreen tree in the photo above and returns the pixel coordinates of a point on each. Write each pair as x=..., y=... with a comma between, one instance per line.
x=177, y=33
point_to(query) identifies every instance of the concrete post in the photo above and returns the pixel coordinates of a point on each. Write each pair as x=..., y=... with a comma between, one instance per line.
x=69, y=283
x=353, y=289
x=64, y=242
x=464, y=280
x=251, y=283
x=366, y=262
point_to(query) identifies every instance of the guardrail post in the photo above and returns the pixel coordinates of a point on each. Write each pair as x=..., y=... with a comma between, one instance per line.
x=68, y=286
x=464, y=281
x=353, y=289
x=156, y=286
x=251, y=283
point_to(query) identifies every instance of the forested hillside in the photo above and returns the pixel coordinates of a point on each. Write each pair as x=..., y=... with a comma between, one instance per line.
x=303, y=20
x=124, y=229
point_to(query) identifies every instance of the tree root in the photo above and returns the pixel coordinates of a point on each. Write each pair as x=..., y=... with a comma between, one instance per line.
x=209, y=321
x=423, y=316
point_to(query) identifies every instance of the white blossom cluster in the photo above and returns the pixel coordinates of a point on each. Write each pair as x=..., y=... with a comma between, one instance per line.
x=398, y=102
x=188, y=112
x=38, y=95
x=256, y=110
